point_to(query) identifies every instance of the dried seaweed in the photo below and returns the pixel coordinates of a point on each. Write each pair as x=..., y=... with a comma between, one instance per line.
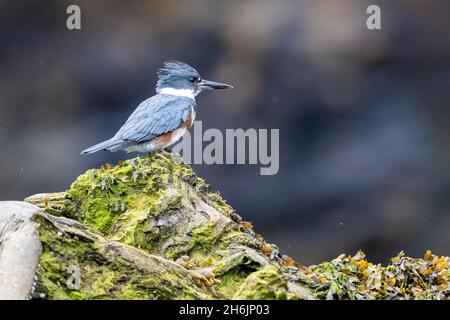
x=353, y=277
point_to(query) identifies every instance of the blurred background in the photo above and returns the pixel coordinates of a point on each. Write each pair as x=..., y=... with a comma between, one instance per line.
x=364, y=115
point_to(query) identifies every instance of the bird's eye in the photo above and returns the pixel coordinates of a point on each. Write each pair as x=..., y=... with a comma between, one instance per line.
x=194, y=79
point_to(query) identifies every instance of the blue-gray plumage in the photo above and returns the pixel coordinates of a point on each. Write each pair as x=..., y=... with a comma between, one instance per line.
x=160, y=121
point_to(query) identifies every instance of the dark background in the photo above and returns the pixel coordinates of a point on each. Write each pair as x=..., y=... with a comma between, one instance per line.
x=364, y=115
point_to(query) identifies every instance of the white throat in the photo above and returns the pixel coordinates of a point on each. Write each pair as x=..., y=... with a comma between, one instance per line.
x=188, y=93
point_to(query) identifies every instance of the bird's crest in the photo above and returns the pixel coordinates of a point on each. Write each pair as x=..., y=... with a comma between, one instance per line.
x=173, y=70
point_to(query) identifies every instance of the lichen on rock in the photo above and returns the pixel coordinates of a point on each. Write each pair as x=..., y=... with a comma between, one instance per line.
x=79, y=263
x=266, y=284
x=157, y=205
x=150, y=228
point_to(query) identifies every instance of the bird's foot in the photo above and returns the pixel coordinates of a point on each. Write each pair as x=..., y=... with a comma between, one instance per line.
x=166, y=152
x=151, y=153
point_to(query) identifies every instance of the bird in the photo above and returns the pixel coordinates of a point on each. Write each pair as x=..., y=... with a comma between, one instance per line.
x=160, y=121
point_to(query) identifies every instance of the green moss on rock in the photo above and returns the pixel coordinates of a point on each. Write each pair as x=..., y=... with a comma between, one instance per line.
x=268, y=283
x=107, y=270
x=156, y=204
x=150, y=228
x=205, y=236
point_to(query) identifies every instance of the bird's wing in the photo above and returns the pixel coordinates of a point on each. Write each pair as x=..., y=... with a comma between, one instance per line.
x=154, y=117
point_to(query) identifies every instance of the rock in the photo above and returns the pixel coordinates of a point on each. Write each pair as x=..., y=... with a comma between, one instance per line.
x=147, y=221
x=20, y=249
x=82, y=264
x=150, y=228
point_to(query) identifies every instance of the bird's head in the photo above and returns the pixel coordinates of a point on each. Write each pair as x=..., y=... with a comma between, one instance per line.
x=178, y=78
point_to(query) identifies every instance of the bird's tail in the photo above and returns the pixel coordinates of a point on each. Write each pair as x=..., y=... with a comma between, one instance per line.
x=100, y=146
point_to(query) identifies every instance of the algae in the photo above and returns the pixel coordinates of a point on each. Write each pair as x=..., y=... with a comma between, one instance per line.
x=150, y=228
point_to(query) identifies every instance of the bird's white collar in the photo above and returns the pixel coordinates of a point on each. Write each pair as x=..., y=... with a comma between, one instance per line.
x=188, y=93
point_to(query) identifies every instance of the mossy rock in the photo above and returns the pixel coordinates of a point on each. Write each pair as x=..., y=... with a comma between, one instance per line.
x=150, y=228
x=160, y=207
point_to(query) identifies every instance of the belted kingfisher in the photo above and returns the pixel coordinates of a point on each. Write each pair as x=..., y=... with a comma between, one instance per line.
x=160, y=121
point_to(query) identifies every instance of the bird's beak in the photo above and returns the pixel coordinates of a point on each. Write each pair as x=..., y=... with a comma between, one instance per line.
x=209, y=85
